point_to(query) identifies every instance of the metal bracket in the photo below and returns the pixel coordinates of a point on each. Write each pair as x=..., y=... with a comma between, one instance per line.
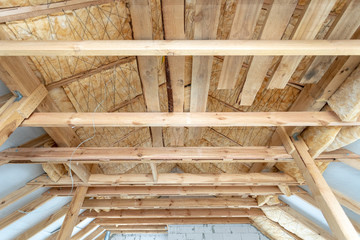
x=18, y=95
x=295, y=136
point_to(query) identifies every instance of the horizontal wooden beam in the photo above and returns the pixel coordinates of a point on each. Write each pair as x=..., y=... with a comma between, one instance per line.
x=159, y=154
x=180, y=48
x=186, y=119
x=169, y=221
x=175, y=191
x=137, y=228
x=170, y=203
x=174, y=213
x=245, y=179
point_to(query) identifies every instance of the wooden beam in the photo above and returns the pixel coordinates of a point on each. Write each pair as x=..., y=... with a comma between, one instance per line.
x=16, y=195
x=17, y=111
x=175, y=191
x=72, y=214
x=4, y=99
x=169, y=203
x=330, y=207
x=243, y=26
x=138, y=232
x=43, y=224
x=174, y=213
x=277, y=20
x=94, y=234
x=308, y=223
x=181, y=48
x=347, y=201
x=21, y=13
x=313, y=19
x=101, y=237
x=30, y=207
x=193, y=119
x=344, y=29
x=243, y=179
x=169, y=221
x=165, y=154
x=90, y=227
x=137, y=228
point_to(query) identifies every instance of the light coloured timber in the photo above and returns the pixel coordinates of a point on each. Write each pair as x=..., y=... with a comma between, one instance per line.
x=101, y=237
x=137, y=228
x=30, y=207
x=174, y=28
x=43, y=224
x=243, y=179
x=94, y=234
x=347, y=201
x=139, y=232
x=314, y=17
x=4, y=99
x=21, y=13
x=344, y=29
x=174, y=213
x=175, y=191
x=165, y=154
x=169, y=221
x=16, y=195
x=17, y=111
x=277, y=20
x=90, y=227
x=72, y=214
x=243, y=26
x=169, y=203
x=330, y=207
x=186, y=119
x=181, y=48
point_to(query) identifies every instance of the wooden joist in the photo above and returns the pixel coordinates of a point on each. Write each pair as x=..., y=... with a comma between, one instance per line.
x=181, y=48
x=277, y=20
x=137, y=228
x=21, y=13
x=169, y=203
x=330, y=207
x=314, y=17
x=94, y=234
x=169, y=221
x=174, y=213
x=16, y=195
x=243, y=26
x=17, y=111
x=242, y=179
x=72, y=214
x=90, y=227
x=193, y=119
x=165, y=154
x=175, y=191
x=16, y=215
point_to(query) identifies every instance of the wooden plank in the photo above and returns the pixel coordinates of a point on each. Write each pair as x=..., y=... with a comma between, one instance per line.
x=90, y=227
x=170, y=221
x=206, y=48
x=277, y=20
x=330, y=207
x=174, y=213
x=4, y=99
x=137, y=228
x=43, y=224
x=72, y=214
x=16, y=195
x=193, y=119
x=206, y=20
x=16, y=112
x=166, y=154
x=101, y=237
x=347, y=201
x=21, y=13
x=243, y=179
x=169, y=203
x=314, y=17
x=308, y=223
x=176, y=191
x=95, y=233
x=344, y=29
x=174, y=28
x=30, y=207
x=42, y=141
x=243, y=26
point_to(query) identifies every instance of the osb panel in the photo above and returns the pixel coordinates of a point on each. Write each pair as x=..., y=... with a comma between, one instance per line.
x=100, y=22
x=23, y=3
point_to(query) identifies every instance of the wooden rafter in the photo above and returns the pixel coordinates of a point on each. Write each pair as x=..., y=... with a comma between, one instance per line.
x=90, y=227
x=16, y=195
x=193, y=119
x=94, y=234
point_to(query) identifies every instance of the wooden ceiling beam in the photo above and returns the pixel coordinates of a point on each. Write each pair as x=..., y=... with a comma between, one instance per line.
x=180, y=48
x=95, y=233
x=175, y=191
x=90, y=227
x=170, y=203
x=174, y=213
x=169, y=221
x=242, y=179
x=137, y=228
x=186, y=119
x=16, y=195
x=162, y=154
x=330, y=207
